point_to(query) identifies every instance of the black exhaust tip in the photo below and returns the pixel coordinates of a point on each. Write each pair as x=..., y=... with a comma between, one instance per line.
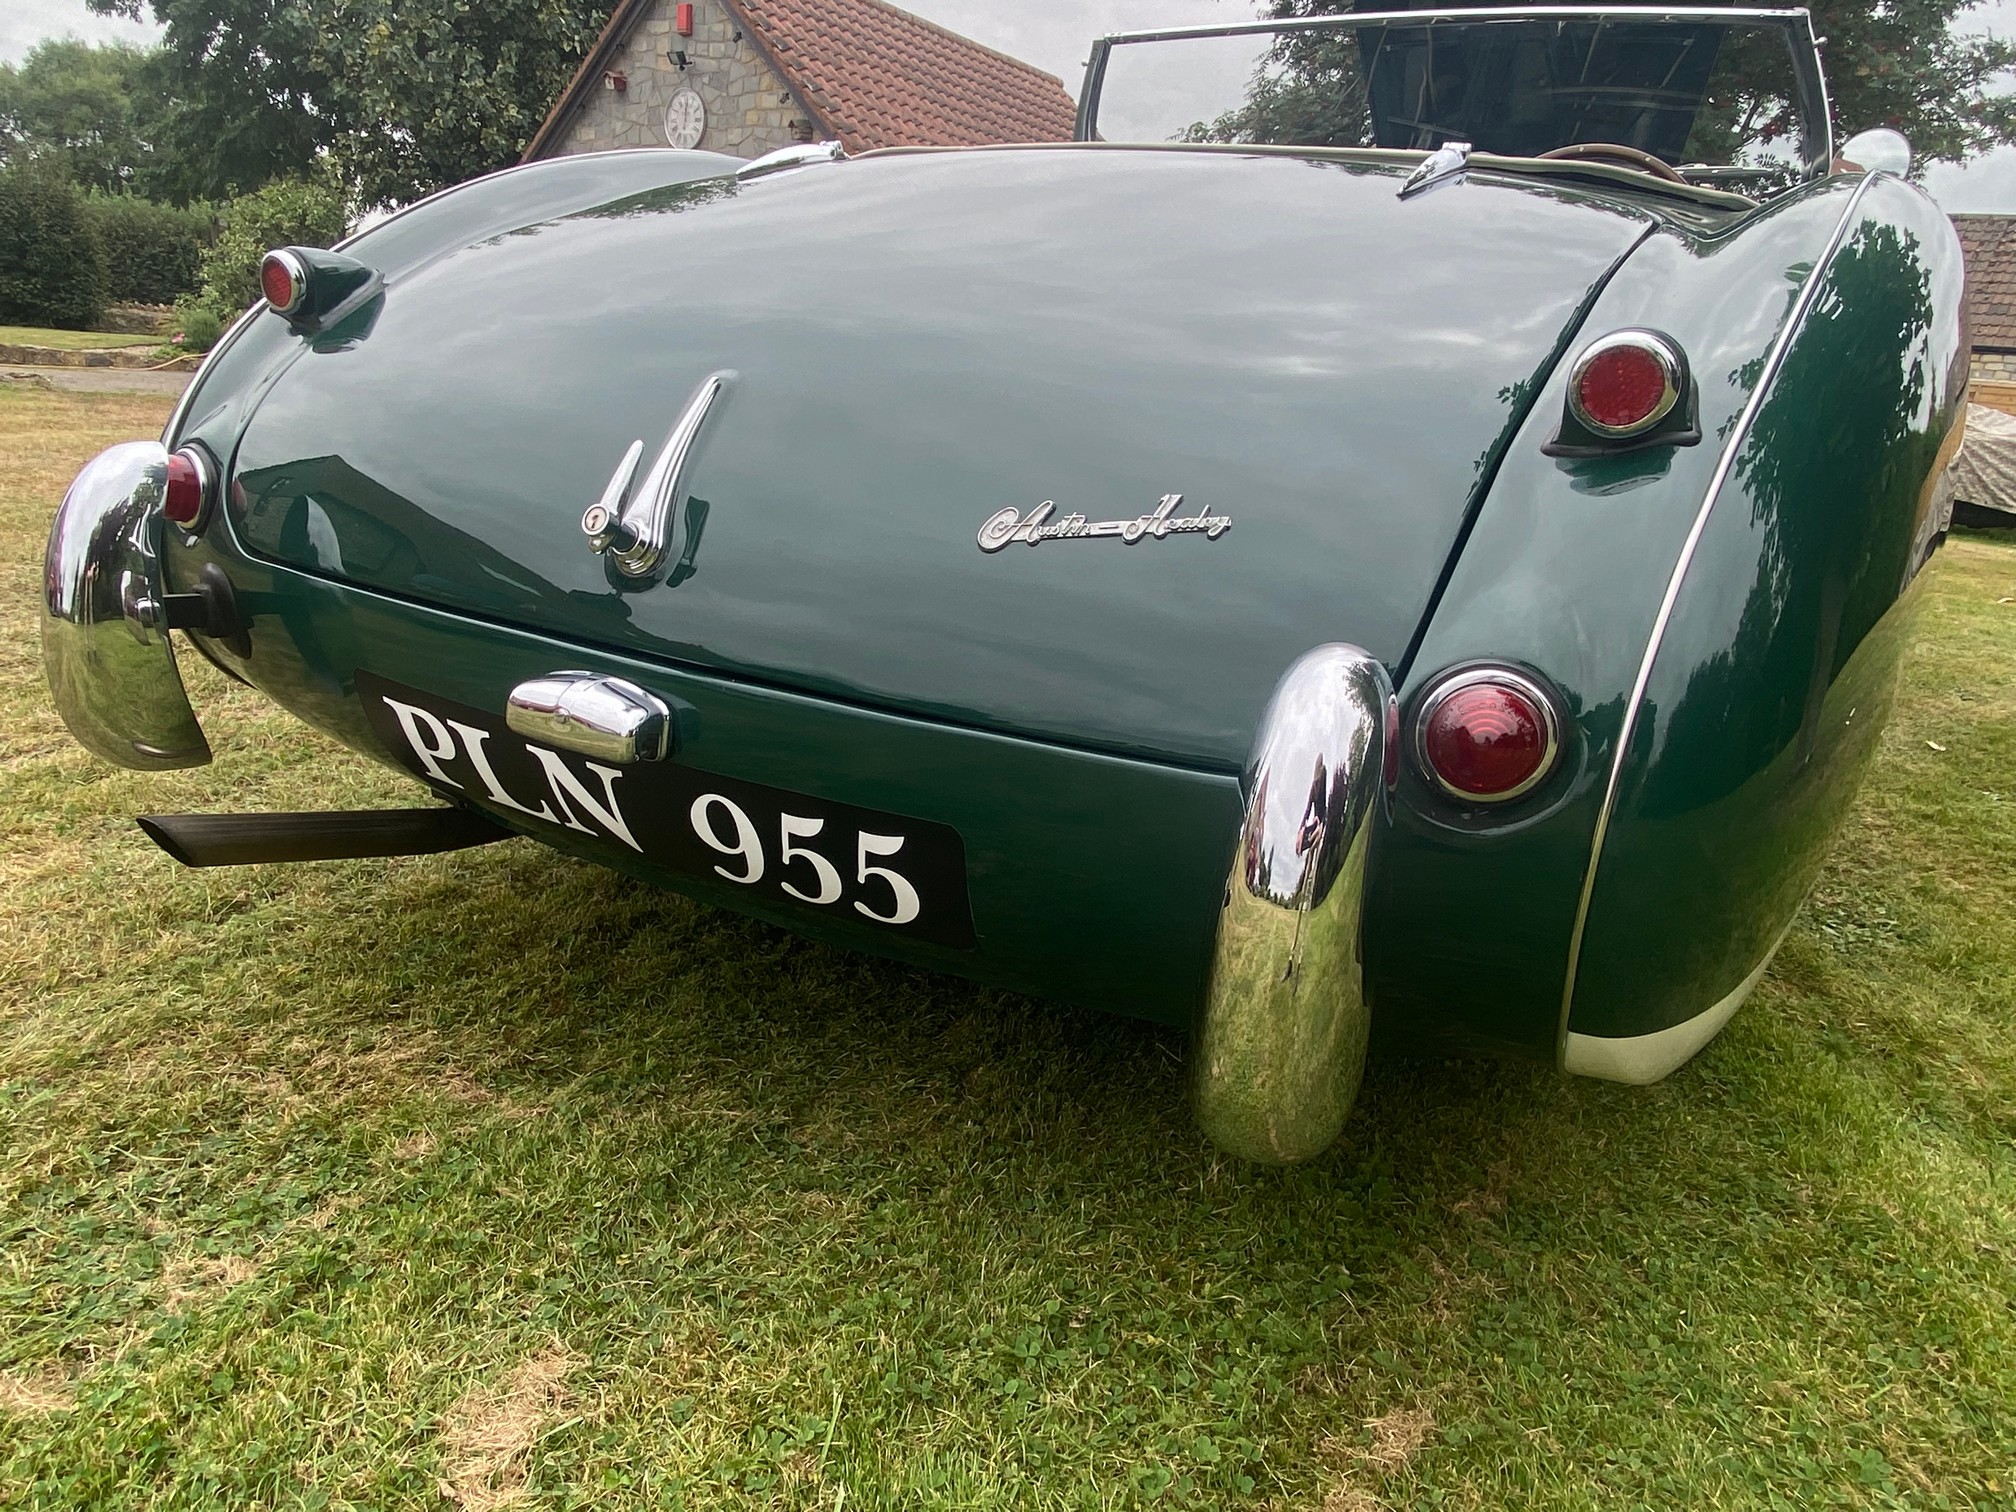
x=256, y=839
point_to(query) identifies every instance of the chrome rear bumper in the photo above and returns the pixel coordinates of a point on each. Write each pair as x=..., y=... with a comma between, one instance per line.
x=1280, y=1049
x=105, y=645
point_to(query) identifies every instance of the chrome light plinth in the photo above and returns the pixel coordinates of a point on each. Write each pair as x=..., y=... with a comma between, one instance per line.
x=105, y=647
x=1280, y=1048
x=607, y=718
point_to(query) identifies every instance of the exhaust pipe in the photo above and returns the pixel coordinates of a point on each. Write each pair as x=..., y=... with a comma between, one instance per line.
x=252, y=839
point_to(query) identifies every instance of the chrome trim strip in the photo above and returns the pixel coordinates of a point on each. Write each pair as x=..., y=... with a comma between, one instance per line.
x=795, y=156
x=484, y=178
x=105, y=647
x=1279, y=1048
x=232, y=332
x=1460, y=13
x=1663, y=352
x=1794, y=319
x=1468, y=677
x=1638, y=1060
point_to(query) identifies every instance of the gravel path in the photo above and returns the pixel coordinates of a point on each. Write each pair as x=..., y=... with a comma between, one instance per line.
x=101, y=380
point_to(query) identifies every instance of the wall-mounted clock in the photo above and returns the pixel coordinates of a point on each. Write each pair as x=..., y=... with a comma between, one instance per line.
x=685, y=119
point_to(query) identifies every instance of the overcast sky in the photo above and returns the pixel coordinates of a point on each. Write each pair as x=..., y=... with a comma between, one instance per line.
x=1053, y=35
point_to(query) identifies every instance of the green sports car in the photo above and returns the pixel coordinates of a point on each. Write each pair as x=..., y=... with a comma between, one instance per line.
x=1404, y=528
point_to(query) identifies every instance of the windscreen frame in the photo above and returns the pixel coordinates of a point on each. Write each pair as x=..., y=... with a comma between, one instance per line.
x=1797, y=25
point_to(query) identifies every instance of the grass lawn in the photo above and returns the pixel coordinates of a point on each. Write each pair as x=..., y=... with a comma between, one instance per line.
x=498, y=1178
x=70, y=341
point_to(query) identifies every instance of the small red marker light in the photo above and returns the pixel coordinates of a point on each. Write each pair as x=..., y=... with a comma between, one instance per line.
x=1625, y=384
x=682, y=20
x=284, y=281
x=1487, y=735
x=186, y=499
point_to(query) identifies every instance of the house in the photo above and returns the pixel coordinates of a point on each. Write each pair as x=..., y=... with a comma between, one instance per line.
x=1989, y=242
x=748, y=76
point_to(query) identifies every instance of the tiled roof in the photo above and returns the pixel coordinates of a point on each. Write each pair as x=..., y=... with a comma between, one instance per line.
x=877, y=76
x=1990, y=244
x=872, y=75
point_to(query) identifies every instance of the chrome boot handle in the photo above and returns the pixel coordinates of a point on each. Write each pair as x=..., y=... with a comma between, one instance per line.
x=637, y=535
x=603, y=717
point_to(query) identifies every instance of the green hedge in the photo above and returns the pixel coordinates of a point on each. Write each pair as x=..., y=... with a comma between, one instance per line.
x=153, y=253
x=52, y=269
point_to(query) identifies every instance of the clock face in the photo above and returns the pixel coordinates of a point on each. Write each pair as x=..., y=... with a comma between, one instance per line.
x=685, y=119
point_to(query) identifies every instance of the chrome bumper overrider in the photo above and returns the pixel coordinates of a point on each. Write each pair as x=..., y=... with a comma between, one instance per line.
x=1280, y=1049
x=105, y=647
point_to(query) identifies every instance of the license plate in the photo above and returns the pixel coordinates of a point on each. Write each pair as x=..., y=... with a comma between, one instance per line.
x=907, y=876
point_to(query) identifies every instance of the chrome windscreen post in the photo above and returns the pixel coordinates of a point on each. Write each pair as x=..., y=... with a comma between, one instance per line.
x=1280, y=1048
x=105, y=616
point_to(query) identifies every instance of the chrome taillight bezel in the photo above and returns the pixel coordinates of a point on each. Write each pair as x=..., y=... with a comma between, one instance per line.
x=1455, y=681
x=206, y=490
x=296, y=270
x=1660, y=349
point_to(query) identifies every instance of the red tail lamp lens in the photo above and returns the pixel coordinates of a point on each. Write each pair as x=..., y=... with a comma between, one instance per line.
x=187, y=497
x=1625, y=384
x=1487, y=737
x=283, y=281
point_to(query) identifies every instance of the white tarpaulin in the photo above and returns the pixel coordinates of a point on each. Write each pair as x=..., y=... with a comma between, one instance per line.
x=1984, y=474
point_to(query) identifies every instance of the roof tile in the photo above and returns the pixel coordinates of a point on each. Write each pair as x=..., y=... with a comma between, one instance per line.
x=881, y=77
x=1989, y=242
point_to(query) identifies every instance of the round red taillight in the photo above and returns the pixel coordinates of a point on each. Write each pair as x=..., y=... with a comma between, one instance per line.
x=1487, y=735
x=186, y=499
x=1625, y=383
x=283, y=281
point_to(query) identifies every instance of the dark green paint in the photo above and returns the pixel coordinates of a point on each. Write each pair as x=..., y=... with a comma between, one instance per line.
x=1092, y=878
x=1564, y=572
x=977, y=331
x=1776, y=674
x=923, y=340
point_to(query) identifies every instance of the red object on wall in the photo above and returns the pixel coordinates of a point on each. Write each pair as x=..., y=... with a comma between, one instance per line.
x=682, y=20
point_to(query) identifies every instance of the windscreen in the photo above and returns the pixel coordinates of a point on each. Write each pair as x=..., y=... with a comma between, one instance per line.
x=1723, y=98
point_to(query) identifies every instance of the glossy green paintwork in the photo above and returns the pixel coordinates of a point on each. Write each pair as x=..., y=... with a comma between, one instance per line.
x=1775, y=676
x=1364, y=384
x=259, y=351
x=1565, y=572
x=975, y=331
x=1092, y=878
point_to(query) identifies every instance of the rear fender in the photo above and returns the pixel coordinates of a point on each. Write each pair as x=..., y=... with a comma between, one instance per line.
x=1762, y=694
x=260, y=345
x=1472, y=916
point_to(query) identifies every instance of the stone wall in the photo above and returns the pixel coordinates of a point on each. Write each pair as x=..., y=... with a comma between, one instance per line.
x=1994, y=367
x=749, y=109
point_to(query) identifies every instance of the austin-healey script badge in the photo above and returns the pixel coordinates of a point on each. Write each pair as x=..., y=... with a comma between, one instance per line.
x=1009, y=525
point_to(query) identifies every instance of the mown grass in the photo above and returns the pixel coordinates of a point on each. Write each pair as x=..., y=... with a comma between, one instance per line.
x=495, y=1176
x=69, y=341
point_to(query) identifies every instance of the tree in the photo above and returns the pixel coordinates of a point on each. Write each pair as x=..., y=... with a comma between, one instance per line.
x=83, y=104
x=1889, y=63
x=403, y=96
x=245, y=100
x=433, y=92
